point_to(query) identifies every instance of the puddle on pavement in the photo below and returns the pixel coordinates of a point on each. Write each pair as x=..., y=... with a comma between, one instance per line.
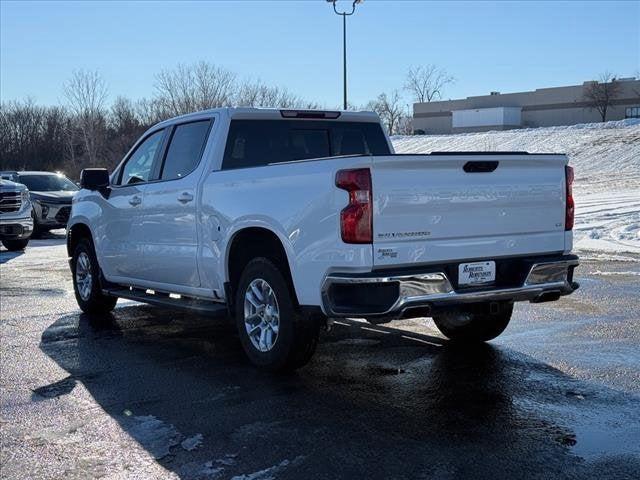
x=601, y=440
x=365, y=342
x=385, y=371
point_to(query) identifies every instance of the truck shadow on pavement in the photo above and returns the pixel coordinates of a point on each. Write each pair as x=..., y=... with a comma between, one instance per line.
x=47, y=239
x=375, y=402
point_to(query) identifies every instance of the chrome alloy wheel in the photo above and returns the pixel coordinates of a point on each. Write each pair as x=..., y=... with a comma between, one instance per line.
x=84, y=279
x=261, y=315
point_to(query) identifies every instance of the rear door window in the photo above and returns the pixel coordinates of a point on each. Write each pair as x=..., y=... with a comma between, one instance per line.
x=254, y=143
x=185, y=149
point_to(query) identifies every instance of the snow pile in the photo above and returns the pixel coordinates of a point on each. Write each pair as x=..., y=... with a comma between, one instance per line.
x=606, y=159
x=271, y=472
x=608, y=223
x=597, y=151
x=153, y=434
x=192, y=443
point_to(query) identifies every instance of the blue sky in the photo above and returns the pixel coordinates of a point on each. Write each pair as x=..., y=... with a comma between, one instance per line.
x=504, y=46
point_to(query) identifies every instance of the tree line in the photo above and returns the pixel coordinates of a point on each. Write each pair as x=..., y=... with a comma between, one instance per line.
x=86, y=131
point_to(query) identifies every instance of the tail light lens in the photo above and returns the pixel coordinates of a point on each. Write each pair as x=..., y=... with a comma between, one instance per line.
x=570, y=212
x=356, y=219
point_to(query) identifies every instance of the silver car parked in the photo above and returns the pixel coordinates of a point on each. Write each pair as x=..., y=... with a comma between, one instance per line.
x=16, y=223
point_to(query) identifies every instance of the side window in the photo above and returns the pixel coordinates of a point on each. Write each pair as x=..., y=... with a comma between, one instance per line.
x=185, y=149
x=139, y=166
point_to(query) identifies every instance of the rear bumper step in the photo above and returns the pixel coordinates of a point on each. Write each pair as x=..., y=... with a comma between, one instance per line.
x=379, y=296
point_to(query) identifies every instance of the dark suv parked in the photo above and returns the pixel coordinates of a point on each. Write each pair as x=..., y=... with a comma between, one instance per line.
x=51, y=195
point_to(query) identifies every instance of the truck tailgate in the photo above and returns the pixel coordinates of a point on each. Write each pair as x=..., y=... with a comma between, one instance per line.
x=435, y=208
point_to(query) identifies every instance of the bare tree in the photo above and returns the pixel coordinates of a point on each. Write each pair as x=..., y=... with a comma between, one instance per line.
x=124, y=128
x=189, y=88
x=151, y=111
x=88, y=132
x=257, y=94
x=601, y=94
x=405, y=125
x=31, y=136
x=427, y=82
x=20, y=126
x=390, y=110
x=86, y=94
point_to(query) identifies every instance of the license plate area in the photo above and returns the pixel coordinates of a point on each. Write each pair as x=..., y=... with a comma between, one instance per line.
x=476, y=273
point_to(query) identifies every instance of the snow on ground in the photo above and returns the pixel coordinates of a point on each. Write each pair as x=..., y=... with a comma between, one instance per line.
x=608, y=223
x=606, y=159
x=192, y=443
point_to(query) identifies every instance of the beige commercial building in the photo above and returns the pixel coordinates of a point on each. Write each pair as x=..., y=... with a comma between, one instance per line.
x=543, y=107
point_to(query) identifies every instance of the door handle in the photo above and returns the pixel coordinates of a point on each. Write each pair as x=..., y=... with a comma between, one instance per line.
x=186, y=197
x=135, y=201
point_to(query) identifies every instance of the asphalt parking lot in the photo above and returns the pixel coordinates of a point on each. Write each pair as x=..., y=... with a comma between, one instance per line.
x=166, y=394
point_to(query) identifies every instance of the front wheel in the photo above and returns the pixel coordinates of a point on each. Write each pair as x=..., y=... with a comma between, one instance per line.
x=37, y=231
x=475, y=323
x=86, y=280
x=15, y=245
x=274, y=334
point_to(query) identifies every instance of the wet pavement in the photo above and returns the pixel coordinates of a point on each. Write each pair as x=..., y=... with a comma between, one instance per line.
x=165, y=394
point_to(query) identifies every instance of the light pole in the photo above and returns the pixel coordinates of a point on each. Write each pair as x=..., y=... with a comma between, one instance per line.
x=345, y=14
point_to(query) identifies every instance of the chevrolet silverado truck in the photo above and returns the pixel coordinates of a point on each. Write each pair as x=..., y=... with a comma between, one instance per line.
x=16, y=223
x=288, y=218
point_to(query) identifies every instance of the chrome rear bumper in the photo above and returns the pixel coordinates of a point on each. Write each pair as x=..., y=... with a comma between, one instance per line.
x=543, y=280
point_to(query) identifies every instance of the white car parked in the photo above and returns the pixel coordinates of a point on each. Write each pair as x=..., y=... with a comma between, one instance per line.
x=286, y=218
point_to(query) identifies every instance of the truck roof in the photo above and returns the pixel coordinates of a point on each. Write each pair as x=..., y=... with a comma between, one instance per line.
x=249, y=113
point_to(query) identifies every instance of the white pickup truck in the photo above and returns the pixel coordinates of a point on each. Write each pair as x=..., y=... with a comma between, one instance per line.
x=286, y=218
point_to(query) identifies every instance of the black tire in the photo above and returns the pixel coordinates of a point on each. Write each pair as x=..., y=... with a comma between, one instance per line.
x=15, y=245
x=297, y=335
x=474, y=323
x=37, y=230
x=94, y=301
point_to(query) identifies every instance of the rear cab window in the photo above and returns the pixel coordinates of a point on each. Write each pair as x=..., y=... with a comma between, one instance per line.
x=255, y=143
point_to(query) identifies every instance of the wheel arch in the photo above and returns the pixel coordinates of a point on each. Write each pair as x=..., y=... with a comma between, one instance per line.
x=251, y=242
x=76, y=232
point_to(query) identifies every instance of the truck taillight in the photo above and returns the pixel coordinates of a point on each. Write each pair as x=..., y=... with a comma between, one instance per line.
x=570, y=212
x=356, y=219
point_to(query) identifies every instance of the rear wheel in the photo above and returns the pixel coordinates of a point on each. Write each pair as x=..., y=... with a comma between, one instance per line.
x=86, y=280
x=274, y=334
x=474, y=323
x=15, y=245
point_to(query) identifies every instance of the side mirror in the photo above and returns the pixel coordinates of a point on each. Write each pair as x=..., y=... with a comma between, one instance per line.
x=94, y=178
